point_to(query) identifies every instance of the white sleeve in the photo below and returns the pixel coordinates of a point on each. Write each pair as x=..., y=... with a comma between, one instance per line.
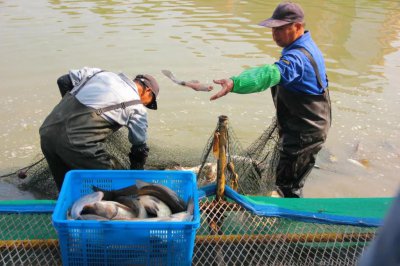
x=137, y=126
x=77, y=75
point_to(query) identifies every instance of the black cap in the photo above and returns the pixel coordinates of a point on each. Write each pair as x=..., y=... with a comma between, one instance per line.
x=151, y=83
x=285, y=13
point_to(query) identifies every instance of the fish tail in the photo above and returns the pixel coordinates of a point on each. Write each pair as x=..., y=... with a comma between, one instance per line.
x=190, y=206
x=108, y=195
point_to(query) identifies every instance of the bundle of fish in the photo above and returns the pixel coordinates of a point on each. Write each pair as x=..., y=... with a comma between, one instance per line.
x=146, y=202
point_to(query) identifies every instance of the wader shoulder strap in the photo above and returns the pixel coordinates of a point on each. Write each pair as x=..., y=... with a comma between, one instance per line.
x=100, y=111
x=314, y=65
x=122, y=105
x=86, y=80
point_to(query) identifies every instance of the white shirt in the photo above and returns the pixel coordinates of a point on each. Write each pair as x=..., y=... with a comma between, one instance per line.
x=106, y=89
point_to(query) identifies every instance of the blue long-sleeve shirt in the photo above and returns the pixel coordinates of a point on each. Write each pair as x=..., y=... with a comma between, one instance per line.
x=293, y=71
x=297, y=73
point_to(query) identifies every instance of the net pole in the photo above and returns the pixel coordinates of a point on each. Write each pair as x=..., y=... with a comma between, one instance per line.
x=221, y=163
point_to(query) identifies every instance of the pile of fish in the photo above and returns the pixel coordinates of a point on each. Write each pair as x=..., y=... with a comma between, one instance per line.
x=143, y=201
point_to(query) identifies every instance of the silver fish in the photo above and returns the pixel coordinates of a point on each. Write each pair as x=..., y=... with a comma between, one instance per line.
x=154, y=206
x=163, y=193
x=194, y=84
x=109, y=209
x=79, y=205
x=113, y=194
x=184, y=216
x=141, y=188
x=134, y=204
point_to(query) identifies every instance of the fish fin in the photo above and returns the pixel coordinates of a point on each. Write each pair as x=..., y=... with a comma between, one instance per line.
x=113, y=194
x=108, y=195
x=78, y=205
x=164, y=194
x=152, y=210
x=166, y=72
x=88, y=209
x=140, y=184
x=149, y=204
x=190, y=206
x=172, y=77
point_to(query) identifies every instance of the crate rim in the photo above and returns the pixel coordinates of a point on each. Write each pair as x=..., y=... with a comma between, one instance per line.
x=194, y=224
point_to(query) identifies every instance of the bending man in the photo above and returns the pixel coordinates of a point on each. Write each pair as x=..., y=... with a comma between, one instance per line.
x=96, y=103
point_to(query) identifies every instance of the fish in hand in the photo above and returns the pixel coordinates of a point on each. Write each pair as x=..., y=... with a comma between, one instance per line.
x=194, y=84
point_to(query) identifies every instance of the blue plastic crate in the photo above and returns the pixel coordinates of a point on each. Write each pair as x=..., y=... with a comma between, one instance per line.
x=124, y=242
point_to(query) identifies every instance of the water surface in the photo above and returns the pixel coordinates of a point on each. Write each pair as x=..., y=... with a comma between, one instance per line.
x=206, y=40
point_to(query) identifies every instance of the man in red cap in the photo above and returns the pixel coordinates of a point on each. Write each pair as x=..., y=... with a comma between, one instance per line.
x=96, y=103
x=299, y=87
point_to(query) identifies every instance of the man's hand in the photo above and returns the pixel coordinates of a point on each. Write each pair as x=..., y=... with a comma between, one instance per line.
x=227, y=86
x=138, y=156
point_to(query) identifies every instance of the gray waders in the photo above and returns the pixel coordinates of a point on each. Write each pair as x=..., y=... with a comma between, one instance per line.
x=72, y=137
x=303, y=124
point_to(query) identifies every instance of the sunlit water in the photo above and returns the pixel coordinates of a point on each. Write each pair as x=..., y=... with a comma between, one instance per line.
x=206, y=40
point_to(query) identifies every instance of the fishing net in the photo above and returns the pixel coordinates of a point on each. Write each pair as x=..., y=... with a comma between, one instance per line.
x=37, y=178
x=249, y=171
